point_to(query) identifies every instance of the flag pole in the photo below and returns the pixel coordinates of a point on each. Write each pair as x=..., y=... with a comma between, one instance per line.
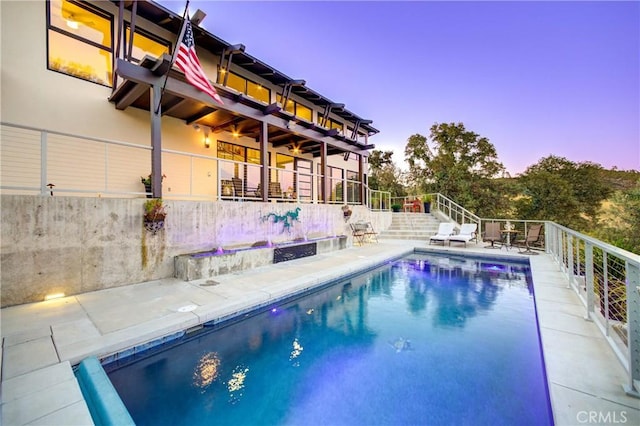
x=173, y=54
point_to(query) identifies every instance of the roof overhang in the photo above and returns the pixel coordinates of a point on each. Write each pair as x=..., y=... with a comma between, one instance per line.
x=240, y=113
x=166, y=19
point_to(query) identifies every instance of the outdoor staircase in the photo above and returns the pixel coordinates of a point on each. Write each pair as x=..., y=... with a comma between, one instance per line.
x=411, y=226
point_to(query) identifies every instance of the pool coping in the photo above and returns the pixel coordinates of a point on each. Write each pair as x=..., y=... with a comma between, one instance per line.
x=80, y=314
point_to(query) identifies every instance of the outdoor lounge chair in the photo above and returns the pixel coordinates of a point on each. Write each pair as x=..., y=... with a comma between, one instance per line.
x=444, y=232
x=492, y=233
x=533, y=236
x=466, y=234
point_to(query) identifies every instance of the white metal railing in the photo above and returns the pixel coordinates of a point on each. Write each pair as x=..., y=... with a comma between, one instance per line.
x=33, y=158
x=377, y=200
x=607, y=279
x=454, y=211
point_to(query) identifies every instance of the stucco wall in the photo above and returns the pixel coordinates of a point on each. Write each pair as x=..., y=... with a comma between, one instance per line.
x=76, y=244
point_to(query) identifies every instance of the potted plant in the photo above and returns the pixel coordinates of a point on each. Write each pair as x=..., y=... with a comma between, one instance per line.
x=346, y=211
x=154, y=214
x=427, y=203
x=396, y=207
x=146, y=181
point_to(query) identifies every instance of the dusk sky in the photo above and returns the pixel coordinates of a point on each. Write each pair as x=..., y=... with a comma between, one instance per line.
x=535, y=78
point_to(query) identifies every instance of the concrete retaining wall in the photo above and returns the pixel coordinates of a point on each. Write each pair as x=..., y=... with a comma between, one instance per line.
x=75, y=244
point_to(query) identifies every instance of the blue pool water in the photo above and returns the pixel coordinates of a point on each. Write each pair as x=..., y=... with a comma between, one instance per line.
x=424, y=340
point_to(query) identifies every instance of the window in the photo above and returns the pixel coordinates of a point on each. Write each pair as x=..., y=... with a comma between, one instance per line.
x=296, y=109
x=353, y=186
x=245, y=86
x=146, y=44
x=304, y=112
x=79, y=41
x=305, y=180
x=336, y=184
x=360, y=137
x=249, y=174
x=284, y=174
x=258, y=92
x=335, y=179
x=330, y=124
x=230, y=151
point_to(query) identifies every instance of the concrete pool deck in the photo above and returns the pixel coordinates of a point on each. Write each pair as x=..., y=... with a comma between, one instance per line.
x=41, y=341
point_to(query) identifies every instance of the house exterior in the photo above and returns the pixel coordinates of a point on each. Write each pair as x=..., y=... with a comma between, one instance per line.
x=273, y=138
x=91, y=107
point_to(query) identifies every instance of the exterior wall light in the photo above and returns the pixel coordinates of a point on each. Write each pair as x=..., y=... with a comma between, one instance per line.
x=207, y=144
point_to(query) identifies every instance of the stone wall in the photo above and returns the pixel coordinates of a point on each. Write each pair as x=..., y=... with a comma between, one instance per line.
x=74, y=245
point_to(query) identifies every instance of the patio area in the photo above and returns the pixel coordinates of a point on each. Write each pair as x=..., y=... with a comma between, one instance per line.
x=41, y=341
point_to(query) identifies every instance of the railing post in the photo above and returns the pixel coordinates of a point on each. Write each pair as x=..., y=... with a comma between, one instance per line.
x=588, y=280
x=605, y=283
x=633, y=328
x=547, y=229
x=570, y=273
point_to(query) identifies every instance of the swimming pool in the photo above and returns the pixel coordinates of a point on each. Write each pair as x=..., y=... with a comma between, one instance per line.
x=426, y=339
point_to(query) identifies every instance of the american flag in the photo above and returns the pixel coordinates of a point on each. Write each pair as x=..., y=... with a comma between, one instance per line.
x=188, y=62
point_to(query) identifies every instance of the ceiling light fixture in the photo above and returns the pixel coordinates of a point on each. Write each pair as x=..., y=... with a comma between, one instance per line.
x=71, y=23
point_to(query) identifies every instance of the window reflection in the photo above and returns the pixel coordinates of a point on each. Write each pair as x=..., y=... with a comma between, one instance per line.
x=207, y=370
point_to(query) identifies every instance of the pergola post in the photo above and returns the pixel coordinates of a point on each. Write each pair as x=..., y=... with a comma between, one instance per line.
x=156, y=141
x=264, y=160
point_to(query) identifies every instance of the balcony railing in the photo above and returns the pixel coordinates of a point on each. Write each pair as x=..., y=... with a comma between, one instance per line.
x=33, y=158
x=607, y=280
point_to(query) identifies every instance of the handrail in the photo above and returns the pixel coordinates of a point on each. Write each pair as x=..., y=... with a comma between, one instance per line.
x=454, y=211
x=377, y=200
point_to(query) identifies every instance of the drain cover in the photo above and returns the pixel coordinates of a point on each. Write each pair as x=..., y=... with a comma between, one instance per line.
x=187, y=308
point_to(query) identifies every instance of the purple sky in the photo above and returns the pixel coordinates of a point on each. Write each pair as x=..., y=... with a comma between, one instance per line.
x=535, y=78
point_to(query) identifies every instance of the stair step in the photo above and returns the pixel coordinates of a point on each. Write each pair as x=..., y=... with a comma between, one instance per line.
x=411, y=226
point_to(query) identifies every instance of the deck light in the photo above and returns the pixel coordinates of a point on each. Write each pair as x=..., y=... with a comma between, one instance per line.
x=53, y=296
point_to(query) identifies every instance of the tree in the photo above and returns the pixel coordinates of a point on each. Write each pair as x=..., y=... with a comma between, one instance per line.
x=622, y=225
x=459, y=164
x=384, y=175
x=565, y=192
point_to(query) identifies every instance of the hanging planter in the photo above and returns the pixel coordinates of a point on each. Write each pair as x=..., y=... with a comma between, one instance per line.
x=346, y=212
x=154, y=215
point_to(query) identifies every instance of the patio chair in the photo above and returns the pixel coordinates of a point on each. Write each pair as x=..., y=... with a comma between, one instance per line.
x=369, y=233
x=533, y=236
x=492, y=233
x=275, y=190
x=466, y=234
x=238, y=188
x=358, y=231
x=444, y=232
